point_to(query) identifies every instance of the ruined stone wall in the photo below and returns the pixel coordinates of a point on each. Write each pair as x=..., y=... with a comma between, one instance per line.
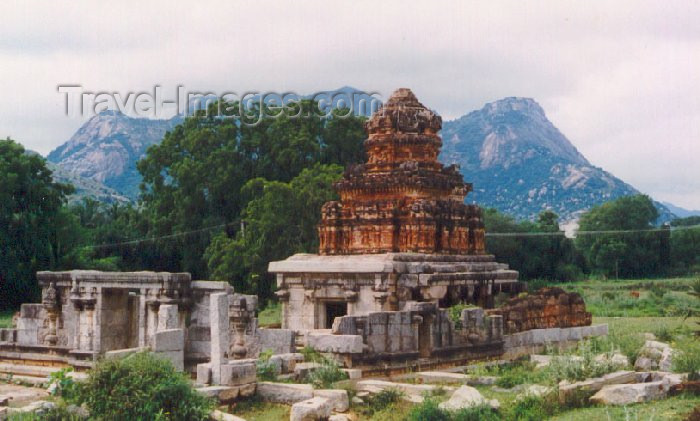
x=548, y=308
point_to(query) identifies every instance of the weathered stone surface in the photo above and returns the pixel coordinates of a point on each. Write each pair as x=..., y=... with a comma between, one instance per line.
x=548, y=308
x=467, y=397
x=353, y=373
x=338, y=398
x=339, y=417
x=238, y=372
x=341, y=344
x=121, y=353
x=592, y=385
x=168, y=317
x=410, y=389
x=301, y=370
x=204, y=373
x=311, y=410
x=284, y=392
x=624, y=394
x=217, y=415
x=169, y=340
x=219, y=325
x=403, y=179
x=280, y=341
x=442, y=377
x=654, y=355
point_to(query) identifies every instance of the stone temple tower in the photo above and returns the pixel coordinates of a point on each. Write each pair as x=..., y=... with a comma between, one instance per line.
x=400, y=235
x=402, y=199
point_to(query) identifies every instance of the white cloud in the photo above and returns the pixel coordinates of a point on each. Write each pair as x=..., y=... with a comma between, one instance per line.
x=620, y=80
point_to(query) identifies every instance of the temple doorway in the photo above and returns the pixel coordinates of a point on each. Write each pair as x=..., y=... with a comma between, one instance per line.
x=333, y=310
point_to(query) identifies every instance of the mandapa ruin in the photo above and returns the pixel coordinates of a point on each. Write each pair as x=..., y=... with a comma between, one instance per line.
x=396, y=251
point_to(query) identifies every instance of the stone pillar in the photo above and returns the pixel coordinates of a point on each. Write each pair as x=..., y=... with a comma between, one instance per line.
x=239, y=317
x=143, y=318
x=52, y=304
x=168, y=317
x=219, y=325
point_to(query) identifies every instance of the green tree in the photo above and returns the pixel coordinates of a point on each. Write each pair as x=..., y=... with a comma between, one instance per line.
x=685, y=245
x=30, y=213
x=280, y=220
x=537, y=250
x=199, y=176
x=630, y=252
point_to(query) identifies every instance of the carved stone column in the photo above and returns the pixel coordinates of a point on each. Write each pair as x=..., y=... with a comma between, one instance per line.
x=52, y=304
x=239, y=317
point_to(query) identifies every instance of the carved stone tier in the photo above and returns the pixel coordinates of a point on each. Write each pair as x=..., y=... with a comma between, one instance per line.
x=402, y=199
x=315, y=289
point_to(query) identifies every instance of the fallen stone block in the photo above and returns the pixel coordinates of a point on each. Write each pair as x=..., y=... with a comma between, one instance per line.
x=624, y=394
x=301, y=370
x=353, y=373
x=217, y=415
x=467, y=397
x=284, y=392
x=410, y=389
x=339, y=417
x=5, y=400
x=239, y=372
x=442, y=377
x=338, y=398
x=222, y=393
x=593, y=385
x=311, y=410
x=339, y=344
x=204, y=373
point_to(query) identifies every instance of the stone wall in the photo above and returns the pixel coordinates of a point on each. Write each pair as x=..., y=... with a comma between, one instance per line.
x=421, y=331
x=548, y=308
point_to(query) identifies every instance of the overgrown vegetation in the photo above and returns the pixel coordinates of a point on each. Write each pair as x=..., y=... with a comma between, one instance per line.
x=686, y=358
x=141, y=386
x=264, y=367
x=326, y=374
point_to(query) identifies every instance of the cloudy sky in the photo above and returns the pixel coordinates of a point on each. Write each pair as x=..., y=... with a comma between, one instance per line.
x=620, y=80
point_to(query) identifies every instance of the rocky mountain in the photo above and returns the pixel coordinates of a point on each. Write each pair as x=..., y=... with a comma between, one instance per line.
x=520, y=164
x=106, y=148
x=517, y=160
x=681, y=212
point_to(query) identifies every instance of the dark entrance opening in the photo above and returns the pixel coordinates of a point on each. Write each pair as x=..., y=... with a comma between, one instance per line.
x=333, y=310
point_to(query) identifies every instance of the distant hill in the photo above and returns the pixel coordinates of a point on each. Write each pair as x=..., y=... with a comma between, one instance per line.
x=521, y=164
x=681, y=212
x=518, y=161
x=107, y=147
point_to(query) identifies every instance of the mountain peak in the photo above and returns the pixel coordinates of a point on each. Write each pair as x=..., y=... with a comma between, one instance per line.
x=521, y=164
x=514, y=104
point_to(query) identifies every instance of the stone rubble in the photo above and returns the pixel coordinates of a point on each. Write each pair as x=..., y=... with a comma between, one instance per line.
x=467, y=397
x=313, y=409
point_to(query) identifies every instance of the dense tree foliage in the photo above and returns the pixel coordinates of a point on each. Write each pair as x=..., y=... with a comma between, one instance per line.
x=685, y=245
x=632, y=252
x=200, y=175
x=31, y=222
x=538, y=250
x=279, y=220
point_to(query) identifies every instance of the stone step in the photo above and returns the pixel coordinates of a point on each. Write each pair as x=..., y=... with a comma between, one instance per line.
x=28, y=370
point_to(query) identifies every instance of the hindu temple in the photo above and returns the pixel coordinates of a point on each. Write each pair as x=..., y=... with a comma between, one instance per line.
x=400, y=234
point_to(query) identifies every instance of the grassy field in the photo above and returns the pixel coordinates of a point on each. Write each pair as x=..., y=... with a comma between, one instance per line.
x=636, y=298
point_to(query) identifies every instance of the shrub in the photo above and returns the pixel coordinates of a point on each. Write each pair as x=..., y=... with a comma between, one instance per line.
x=534, y=408
x=428, y=411
x=686, y=358
x=477, y=413
x=265, y=368
x=586, y=367
x=63, y=385
x=381, y=400
x=141, y=387
x=324, y=376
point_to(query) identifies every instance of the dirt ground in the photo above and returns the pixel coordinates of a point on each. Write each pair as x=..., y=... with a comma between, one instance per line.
x=21, y=395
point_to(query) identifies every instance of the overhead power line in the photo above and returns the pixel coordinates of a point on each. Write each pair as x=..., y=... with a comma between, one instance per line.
x=488, y=234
